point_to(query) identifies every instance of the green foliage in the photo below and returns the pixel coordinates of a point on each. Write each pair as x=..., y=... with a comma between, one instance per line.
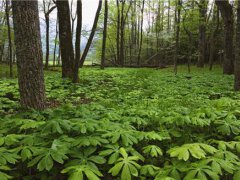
x=76, y=172
x=197, y=150
x=127, y=165
x=153, y=151
x=124, y=124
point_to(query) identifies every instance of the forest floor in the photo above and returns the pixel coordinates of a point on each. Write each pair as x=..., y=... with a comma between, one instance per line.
x=132, y=108
x=143, y=88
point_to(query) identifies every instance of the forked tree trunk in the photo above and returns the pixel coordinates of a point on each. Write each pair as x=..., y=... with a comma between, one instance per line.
x=65, y=38
x=29, y=53
x=47, y=10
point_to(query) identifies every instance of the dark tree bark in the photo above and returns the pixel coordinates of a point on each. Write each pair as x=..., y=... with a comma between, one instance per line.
x=162, y=16
x=78, y=41
x=168, y=14
x=118, y=33
x=227, y=14
x=7, y=9
x=213, y=37
x=191, y=41
x=89, y=42
x=135, y=38
x=122, y=30
x=47, y=41
x=237, y=55
x=202, y=33
x=157, y=28
x=59, y=59
x=29, y=54
x=65, y=38
x=177, y=32
x=104, y=35
x=2, y=22
x=47, y=31
x=141, y=34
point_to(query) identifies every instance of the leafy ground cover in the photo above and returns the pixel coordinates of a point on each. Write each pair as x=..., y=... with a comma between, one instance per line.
x=124, y=124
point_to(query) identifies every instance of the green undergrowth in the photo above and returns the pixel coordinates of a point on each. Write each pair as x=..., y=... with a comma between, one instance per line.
x=124, y=124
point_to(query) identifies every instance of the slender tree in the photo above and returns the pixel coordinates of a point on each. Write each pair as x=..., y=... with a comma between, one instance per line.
x=65, y=37
x=177, y=33
x=55, y=44
x=118, y=33
x=123, y=17
x=7, y=9
x=168, y=14
x=141, y=33
x=78, y=41
x=90, y=39
x=2, y=24
x=104, y=35
x=29, y=53
x=122, y=33
x=47, y=10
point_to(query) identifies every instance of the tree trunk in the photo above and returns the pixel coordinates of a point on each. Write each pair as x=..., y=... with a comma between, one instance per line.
x=65, y=38
x=227, y=14
x=168, y=14
x=118, y=33
x=191, y=43
x=202, y=33
x=78, y=41
x=47, y=41
x=59, y=59
x=177, y=28
x=122, y=30
x=47, y=11
x=9, y=39
x=29, y=53
x=237, y=55
x=104, y=35
x=141, y=34
x=55, y=45
x=157, y=29
x=89, y=42
x=213, y=37
x=73, y=17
